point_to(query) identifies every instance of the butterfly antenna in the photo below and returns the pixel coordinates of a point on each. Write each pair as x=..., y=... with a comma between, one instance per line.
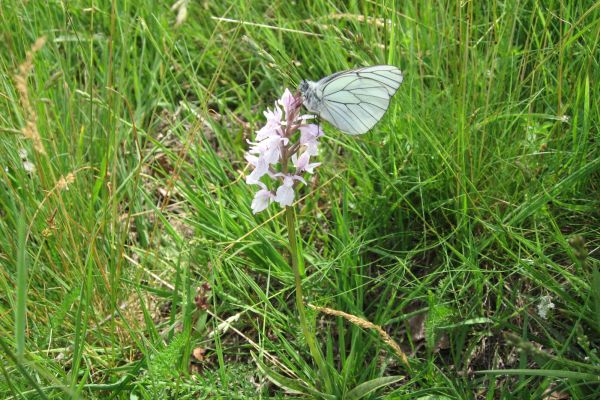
x=288, y=67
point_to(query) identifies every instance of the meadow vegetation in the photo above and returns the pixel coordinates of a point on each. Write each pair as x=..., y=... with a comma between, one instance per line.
x=464, y=228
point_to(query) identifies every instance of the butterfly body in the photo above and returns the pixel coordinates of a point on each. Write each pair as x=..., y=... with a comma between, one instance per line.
x=355, y=100
x=311, y=96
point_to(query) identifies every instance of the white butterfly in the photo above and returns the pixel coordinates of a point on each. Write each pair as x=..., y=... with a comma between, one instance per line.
x=355, y=100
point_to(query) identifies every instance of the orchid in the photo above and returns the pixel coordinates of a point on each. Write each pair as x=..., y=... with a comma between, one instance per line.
x=276, y=143
x=280, y=158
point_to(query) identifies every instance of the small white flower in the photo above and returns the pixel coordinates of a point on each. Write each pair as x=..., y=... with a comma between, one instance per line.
x=287, y=101
x=272, y=149
x=261, y=200
x=22, y=154
x=287, y=177
x=29, y=167
x=273, y=125
x=544, y=306
x=261, y=167
x=302, y=163
x=269, y=148
x=285, y=193
x=309, y=137
x=564, y=118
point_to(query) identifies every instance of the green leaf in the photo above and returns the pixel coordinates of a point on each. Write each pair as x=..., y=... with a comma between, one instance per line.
x=596, y=294
x=551, y=373
x=438, y=315
x=291, y=385
x=365, y=388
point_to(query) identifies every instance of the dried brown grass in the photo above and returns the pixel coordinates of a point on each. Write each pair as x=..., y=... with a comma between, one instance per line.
x=363, y=323
x=30, y=130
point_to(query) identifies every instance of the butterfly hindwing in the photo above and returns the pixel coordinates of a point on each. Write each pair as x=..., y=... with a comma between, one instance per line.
x=338, y=118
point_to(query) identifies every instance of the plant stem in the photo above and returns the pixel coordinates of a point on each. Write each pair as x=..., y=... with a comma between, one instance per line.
x=290, y=217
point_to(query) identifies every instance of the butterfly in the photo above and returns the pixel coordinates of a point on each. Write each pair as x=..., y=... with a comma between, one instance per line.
x=355, y=100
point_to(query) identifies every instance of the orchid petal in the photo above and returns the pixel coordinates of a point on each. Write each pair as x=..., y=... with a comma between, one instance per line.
x=261, y=201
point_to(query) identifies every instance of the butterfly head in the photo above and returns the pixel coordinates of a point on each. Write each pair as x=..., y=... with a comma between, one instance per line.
x=309, y=98
x=303, y=87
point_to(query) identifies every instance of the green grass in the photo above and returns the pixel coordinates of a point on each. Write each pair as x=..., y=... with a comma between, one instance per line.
x=447, y=225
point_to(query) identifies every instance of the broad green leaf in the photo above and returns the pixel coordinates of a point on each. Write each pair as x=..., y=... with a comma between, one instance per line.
x=365, y=388
x=291, y=385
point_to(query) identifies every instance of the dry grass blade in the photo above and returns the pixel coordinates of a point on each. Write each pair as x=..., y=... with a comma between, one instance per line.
x=363, y=323
x=30, y=130
x=277, y=28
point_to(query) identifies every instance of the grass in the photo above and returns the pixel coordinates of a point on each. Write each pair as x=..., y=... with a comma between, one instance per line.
x=132, y=266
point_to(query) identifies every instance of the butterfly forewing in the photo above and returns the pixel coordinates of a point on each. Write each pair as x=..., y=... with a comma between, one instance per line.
x=344, y=96
x=355, y=100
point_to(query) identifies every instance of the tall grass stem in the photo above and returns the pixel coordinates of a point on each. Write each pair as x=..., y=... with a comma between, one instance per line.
x=307, y=331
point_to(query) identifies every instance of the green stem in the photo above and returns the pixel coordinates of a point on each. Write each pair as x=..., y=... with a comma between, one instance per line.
x=290, y=217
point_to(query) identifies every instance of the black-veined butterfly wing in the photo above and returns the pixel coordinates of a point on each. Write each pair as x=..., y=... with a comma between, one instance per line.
x=354, y=101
